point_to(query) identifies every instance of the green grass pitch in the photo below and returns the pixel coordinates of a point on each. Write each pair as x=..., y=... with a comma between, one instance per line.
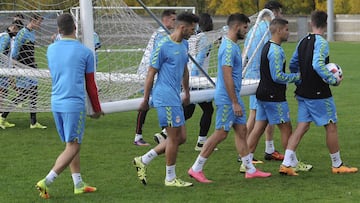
x=26, y=156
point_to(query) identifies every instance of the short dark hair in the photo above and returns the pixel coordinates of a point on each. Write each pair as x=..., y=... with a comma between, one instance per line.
x=18, y=23
x=36, y=16
x=187, y=17
x=319, y=19
x=168, y=12
x=276, y=22
x=65, y=24
x=205, y=22
x=237, y=17
x=273, y=5
x=19, y=15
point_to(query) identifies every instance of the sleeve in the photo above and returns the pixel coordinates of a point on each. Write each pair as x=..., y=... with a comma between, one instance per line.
x=227, y=59
x=321, y=51
x=91, y=87
x=4, y=42
x=156, y=55
x=276, y=63
x=294, y=61
x=201, y=56
x=92, y=91
x=90, y=62
x=18, y=42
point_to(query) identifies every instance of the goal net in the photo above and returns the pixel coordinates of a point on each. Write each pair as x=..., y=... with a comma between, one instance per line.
x=124, y=33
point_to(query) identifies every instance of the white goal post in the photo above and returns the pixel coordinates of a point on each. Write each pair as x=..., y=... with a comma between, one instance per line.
x=124, y=35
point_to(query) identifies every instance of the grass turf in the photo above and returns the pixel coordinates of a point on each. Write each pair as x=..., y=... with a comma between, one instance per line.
x=26, y=156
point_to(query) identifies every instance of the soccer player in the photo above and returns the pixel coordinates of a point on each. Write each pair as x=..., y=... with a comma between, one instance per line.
x=272, y=107
x=200, y=41
x=24, y=52
x=169, y=61
x=168, y=19
x=315, y=101
x=253, y=72
x=71, y=75
x=6, y=39
x=230, y=111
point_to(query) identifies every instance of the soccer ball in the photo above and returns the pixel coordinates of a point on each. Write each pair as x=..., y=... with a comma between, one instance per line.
x=335, y=69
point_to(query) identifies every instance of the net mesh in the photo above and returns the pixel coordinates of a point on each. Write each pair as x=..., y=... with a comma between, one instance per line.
x=124, y=34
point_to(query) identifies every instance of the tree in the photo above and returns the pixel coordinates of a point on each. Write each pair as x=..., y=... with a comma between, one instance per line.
x=249, y=7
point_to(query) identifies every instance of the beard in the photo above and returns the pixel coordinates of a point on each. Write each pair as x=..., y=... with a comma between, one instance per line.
x=239, y=35
x=187, y=37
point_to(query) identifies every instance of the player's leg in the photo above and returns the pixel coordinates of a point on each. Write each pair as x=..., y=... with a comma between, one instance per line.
x=334, y=149
x=205, y=123
x=261, y=121
x=269, y=141
x=223, y=123
x=290, y=160
x=196, y=170
x=176, y=136
x=140, y=120
x=189, y=111
x=161, y=136
x=239, y=125
x=285, y=132
x=251, y=121
x=304, y=119
x=324, y=113
x=3, y=95
x=278, y=113
x=33, y=95
x=254, y=137
x=70, y=127
x=252, y=114
x=243, y=150
x=141, y=162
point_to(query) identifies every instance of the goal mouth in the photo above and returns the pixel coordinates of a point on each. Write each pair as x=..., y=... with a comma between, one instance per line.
x=124, y=33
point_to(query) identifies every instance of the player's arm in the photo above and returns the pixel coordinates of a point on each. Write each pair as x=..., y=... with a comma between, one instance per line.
x=185, y=84
x=149, y=82
x=91, y=87
x=276, y=59
x=92, y=91
x=230, y=89
x=294, y=62
x=18, y=42
x=4, y=43
x=321, y=50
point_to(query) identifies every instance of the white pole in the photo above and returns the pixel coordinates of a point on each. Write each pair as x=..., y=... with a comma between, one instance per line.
x=87, y=24
x=330, y=21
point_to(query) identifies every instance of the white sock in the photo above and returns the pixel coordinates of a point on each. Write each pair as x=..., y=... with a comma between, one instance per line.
x=149, y=156
x=335, y=159
x=170, y=173
x=138, y=137
x=290, y=158
x=201, y=139
x=247, y=161
x=51, y=176
x=76, y=178
x=269, y=147
x=251, y=156
x=199, y=164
